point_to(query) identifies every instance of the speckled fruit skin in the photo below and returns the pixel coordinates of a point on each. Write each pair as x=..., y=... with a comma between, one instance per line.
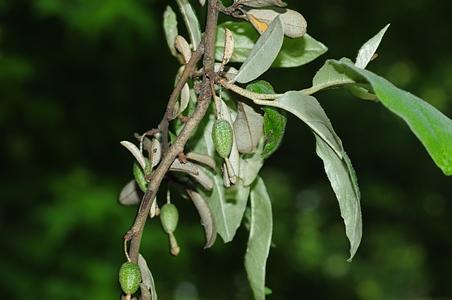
x=222, y=136
x=129, y=277
x=169, y=217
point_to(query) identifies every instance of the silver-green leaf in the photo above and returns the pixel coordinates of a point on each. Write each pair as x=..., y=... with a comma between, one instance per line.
x=367, y=51
x=263, y=54
x=259, y=241
x=170, y=28
x=191, y=21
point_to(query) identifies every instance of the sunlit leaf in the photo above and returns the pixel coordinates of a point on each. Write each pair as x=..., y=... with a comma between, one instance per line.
x=294, y=24
x=430, y=126
x=259, y=241
x=263, y=54
x=367, y=51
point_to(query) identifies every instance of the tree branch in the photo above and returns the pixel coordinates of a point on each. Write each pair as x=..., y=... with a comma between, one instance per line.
x=204, y=99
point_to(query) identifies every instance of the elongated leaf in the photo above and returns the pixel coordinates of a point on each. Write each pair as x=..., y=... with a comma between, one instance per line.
x=228, y=205
x=248, y=128
x=368, y=50
x=135, y=152
x=261, y=227
x=170, y=28
x=337, y=165
x=430, y=126
x=129, y=194
x=147, y=278
x=263, y=54
x=294, y=52
x=308, y=109
x=207, y=220
x=344, y=183
x=191, y=21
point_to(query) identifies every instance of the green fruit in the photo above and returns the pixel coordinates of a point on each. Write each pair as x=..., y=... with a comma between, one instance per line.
x=169, y=217
x=129, y=277
x=222, y=136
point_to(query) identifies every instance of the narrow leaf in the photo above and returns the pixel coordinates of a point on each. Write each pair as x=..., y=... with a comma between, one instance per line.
x=431, y=127
x=263, y=54
x=197, y=172
x=135, y=152
x=170, y=28
x=191, y=21
x=207, y=220
x=368, y=50
x=293, y=53
x=146, y=276
x=344, y=183
x=183, y=48
x=258, y=248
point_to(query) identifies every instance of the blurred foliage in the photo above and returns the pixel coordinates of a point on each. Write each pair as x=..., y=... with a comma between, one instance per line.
x=78, y=76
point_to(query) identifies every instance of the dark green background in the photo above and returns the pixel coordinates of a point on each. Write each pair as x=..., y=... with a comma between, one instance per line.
x=76, y=77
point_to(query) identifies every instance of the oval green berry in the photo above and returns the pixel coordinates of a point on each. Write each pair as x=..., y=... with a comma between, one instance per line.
x=169, y=217
x=222, y=136
x=129, y=277
x=138, y=174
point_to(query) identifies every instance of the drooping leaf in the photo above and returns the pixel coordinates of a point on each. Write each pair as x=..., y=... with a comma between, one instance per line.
x=248, y=128
x=146, y=277
x=191, y=21
x=207, y=219
x=262, y=3
x=250, y=166
x=294, y=24
x=263, y=54
x=430, y=126
x=228, y=205
x=170, y=28
x=195, y=171
x=274, y=120
x=183, y=48
x=259, y=241
x=294, y=52
x=367, y=51
x=343, y=180
x=135, y=152
x=329, y=148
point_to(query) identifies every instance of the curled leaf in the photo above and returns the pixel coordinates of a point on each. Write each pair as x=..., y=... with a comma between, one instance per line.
x=206, y=215
x=183, y=48
x=129, y=194
x=201, y=158
x=191, y=22
x=228, y=46
x=195, y=171
x=368, y=50
x=135, y=152
x=294, y=23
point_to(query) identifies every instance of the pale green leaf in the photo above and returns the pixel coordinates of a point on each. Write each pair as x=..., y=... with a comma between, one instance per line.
x=344, y=183
x=191, y=21
x=294, y=24
x=248, y=128
x=170, y=28
x=367, y=51
x=262, y=3
x=293, y=53
x=431, y=127
x=257, y=250
x=263, y=54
